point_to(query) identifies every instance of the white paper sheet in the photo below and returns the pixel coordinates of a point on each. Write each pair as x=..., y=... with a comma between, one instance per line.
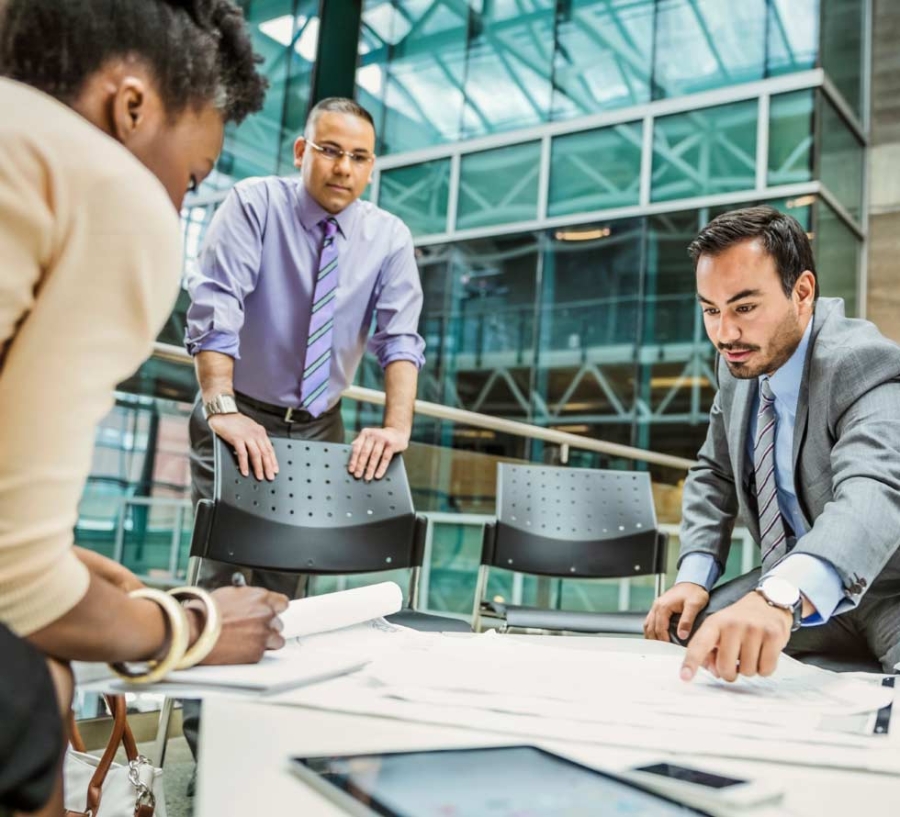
x=496, y=683
x=290, y=667
x=358, y=694
x=334, y=611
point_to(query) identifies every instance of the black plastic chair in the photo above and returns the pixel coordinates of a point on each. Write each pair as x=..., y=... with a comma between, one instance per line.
x=315, y=518
x=570, y=523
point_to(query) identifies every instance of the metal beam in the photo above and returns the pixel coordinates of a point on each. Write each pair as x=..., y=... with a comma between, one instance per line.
x=334, y=72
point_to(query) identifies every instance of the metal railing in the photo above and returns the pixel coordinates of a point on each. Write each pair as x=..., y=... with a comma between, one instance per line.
x=564, y=439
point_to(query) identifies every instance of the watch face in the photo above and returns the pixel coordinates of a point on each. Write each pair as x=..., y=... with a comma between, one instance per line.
x=780, y=591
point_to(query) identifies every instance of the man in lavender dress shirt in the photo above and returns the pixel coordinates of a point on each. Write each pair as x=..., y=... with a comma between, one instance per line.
x=252, y=299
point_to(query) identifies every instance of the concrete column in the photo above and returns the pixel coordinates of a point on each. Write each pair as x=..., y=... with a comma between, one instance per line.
x=884, y=171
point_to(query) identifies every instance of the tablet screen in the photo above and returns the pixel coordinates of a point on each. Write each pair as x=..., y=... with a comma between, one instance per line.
x=514, y=781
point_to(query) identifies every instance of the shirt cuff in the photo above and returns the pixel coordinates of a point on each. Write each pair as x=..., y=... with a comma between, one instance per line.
x=400, y=347
x=816, y=579
x=213, y=341
x=699, y=568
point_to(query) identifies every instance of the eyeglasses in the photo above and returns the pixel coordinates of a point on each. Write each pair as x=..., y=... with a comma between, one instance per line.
x=336, y=154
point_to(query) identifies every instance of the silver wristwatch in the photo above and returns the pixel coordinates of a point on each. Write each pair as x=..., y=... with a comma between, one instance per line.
x=220, y=404
x=781, y=593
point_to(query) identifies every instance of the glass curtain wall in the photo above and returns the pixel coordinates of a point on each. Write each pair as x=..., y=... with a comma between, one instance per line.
x=590, y=326
x=592, y=329
x=437, y=71
x=570, y=301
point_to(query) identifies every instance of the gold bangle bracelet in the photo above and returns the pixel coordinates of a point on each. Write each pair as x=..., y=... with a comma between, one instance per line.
x=178, y=639
x=212, y=625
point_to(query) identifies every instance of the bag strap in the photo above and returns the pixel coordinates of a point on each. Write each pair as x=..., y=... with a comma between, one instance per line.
x=121, y=733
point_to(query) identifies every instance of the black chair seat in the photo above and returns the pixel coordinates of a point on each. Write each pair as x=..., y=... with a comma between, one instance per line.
x=428, y=623
x=619, y=623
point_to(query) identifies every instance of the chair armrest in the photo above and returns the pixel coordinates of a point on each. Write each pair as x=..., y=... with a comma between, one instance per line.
x=662, y=551
x=488, y=543
x=203, y=519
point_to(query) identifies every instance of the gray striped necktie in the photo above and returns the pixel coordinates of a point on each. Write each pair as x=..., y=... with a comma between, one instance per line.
x=317, y=363
x=773, y=538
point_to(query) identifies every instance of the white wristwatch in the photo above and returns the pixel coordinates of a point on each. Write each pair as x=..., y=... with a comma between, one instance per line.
x=220, y=404
x=781, y=593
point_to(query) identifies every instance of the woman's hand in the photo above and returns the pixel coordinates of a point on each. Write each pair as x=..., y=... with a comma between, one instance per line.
x=250, y=624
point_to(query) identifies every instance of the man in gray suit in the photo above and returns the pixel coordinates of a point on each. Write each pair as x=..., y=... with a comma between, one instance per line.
x=804, y=445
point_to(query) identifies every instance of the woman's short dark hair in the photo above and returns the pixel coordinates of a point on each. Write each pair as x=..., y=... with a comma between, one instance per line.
x=199, y=51
x=781, y=235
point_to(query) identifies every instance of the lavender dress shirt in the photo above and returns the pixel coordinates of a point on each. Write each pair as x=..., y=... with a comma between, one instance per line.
x=250, y=298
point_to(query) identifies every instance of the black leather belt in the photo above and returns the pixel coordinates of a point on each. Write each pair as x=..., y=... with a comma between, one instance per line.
x=288, y=414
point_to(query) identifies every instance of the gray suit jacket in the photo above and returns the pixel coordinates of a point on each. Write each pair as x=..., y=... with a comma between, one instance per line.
x=846, y=458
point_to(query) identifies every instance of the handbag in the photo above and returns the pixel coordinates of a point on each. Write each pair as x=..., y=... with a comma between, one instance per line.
x=98, y=787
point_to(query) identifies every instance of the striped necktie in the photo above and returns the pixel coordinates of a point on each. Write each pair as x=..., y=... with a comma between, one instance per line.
x=317, y=365
x=773, y=538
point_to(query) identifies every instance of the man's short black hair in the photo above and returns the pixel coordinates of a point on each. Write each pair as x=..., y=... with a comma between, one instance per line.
x=781, y=235
x=199, y=51
x=335, y=104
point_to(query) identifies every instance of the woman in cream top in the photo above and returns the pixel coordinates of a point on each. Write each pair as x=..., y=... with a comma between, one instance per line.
x=109, y=113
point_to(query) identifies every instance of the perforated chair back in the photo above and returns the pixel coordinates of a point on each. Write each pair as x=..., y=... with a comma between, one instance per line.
x=571, y=523
x=314, y=517
x=575, y=522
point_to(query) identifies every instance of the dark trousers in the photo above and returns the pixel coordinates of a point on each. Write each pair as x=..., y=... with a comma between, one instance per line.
x=868, y=633
x=327, y=427
x=31, y=730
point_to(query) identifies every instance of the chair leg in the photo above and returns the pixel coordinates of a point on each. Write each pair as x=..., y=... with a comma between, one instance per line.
x=193, y=573
x=162, y=731
x=660, y=584
x=480, y=588
x=414, y=588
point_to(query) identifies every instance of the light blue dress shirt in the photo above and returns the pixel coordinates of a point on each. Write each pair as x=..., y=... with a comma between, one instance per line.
x=816, y=578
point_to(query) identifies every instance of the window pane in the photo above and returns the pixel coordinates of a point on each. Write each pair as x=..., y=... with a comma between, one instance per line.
x=595, y=169
x=589, y=321
x=671, y=313
x=793, y=36
x=418, y=195
x=603, y=56
x=842, y=47
x=509, y=64
x=591, y=287
x=842, y=159
x=837, y=258
x=703, y=44
x=499, y=186
x=300, y=70
x=435, y=325
x=253, y=147
x=492, y=324
x=412, y=67
x=791, y=138
x=705, y=152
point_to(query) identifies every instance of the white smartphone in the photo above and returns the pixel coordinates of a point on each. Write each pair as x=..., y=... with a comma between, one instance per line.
x=703, y=788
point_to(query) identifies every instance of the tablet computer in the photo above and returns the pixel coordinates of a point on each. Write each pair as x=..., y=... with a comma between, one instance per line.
x=506, y=781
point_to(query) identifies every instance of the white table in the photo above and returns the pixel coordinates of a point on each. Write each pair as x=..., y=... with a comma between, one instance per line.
x=245, y=746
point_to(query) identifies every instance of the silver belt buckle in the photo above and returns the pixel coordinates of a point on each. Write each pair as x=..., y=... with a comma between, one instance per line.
x=288, y=416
